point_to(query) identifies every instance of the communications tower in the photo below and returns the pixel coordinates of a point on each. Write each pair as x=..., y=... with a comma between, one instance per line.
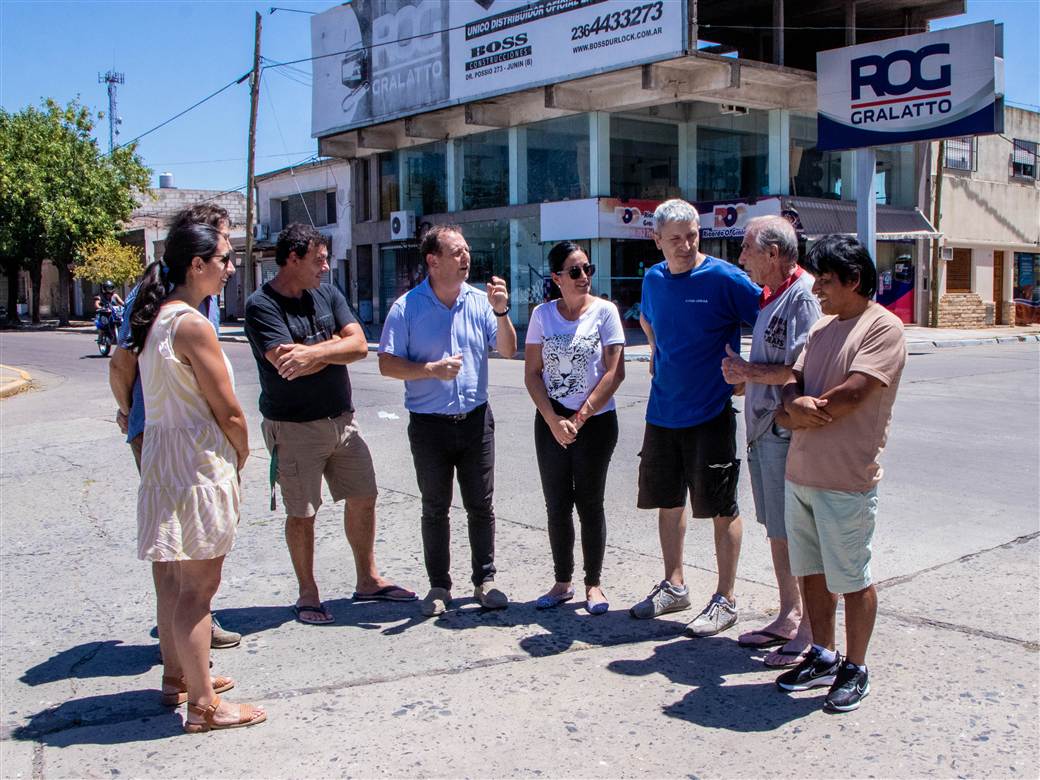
x=112, y=79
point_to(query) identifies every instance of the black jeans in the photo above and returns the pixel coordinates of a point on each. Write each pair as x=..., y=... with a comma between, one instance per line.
x=576, y=477
x=443, y=447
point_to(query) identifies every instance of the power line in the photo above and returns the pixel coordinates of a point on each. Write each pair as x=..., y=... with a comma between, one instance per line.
x=226, y=159
x=182, y=113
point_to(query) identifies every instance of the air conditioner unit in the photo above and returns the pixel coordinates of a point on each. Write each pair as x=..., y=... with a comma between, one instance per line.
x=947, y=253
x=730, y=108
x=260, y=231
x=402, y=225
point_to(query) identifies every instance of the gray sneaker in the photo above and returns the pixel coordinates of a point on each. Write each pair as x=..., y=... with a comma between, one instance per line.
x=436, y=602
x=719, y=615
x=664, y=598
x=222, y=639
x=490, y=597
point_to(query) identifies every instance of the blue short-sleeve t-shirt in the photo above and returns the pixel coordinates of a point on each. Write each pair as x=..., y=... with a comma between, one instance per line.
x=694, y=315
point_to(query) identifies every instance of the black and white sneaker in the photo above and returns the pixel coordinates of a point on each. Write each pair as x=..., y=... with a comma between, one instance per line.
x=850, y=688
x=812, y=672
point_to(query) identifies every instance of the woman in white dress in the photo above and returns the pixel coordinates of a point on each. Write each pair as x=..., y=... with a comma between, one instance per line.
x=195, y=444
x=574, y=362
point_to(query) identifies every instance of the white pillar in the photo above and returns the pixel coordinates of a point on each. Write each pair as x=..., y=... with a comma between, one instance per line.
x=866, y=200
x=688, y=160
x=848, y=175
x=599, y=154
x=517, y=166
x=600, y=257
x=779, y=152
x=455, y=166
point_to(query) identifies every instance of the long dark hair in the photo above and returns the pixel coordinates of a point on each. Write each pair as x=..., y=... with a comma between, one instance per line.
x=186, y=241
x=557, y=257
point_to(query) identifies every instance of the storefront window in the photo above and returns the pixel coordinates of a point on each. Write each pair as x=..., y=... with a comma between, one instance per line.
x=814, y=174
x=896, y=277
x=363, y=257
x=1027, y=293
x=388, y=186
x=644, y=159
x=399, y=271
x=488, y=250
x=425, y=176
x=558, y=159
x=629, y=261
x=895, y=176
x=485, y=177
x=733, y=156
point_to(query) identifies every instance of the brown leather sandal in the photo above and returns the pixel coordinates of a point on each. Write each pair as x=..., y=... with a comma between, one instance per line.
x=253, y=717
x=178, y=697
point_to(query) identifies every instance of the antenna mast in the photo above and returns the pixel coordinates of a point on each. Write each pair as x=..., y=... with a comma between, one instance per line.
x=112, y=79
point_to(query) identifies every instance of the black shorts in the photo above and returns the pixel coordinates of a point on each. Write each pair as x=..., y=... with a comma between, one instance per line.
x=700, y=461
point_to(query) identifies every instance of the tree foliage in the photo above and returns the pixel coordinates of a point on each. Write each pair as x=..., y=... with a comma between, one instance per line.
x=59, y=193
x=108, y=259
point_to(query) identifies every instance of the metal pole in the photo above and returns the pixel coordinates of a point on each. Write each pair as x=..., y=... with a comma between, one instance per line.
x=866, y=201
x=937, y=262
x=248, y=283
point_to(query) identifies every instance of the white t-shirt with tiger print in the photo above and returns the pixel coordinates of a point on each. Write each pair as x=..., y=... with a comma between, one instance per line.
x=572, y=351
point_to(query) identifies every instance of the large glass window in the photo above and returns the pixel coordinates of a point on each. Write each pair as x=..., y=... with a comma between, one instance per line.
x=814, y=174
x=558, y=159
x=363, y=257
x=629, y=261
x=488, y=250
x=485, y=174
x=644, y=159
x=399, y=271
x=388, y=185
x=363, y=191
x=896, y=182
x=425, y=177
x=733, y=156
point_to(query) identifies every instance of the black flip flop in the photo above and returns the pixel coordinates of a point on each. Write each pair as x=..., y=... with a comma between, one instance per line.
x=387, y=593
x=300, y=608
x=775, y=640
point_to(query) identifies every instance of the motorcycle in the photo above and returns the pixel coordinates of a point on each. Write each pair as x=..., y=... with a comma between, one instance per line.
x=107, y=320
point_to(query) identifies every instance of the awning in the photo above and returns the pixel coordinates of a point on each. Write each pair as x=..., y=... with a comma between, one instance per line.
x=819, y=216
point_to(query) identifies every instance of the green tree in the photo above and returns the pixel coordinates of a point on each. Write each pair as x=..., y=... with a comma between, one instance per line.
x=108, y=258
x=59, y=193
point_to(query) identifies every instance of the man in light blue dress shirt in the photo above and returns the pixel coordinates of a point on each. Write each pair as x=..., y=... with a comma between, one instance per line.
x=437, y=338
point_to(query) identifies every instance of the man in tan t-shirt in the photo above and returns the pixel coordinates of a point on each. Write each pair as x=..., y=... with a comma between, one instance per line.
x=838, y=402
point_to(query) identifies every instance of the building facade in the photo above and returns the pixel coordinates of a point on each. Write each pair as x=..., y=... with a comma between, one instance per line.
x=990, y=220
x=728, y=124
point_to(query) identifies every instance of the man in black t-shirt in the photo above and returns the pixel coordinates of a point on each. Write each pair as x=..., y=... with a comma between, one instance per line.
x=303, y=337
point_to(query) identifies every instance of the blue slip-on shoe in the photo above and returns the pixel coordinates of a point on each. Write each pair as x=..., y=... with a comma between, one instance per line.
x=597, y=607
x=548, y=601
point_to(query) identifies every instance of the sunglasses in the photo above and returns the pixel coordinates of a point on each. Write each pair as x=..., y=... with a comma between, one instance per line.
x=576, y=271
x=225, y=259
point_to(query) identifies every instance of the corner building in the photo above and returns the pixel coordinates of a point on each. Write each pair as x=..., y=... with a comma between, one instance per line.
x=585, y=117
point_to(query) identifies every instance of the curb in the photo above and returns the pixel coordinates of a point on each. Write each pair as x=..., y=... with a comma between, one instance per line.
x=15, y=386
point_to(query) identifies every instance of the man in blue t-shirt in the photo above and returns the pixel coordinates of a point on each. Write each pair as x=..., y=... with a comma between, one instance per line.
x=125, y=382
x=691, y=310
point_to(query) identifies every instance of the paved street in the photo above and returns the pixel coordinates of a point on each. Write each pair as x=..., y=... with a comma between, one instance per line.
x=954, y=662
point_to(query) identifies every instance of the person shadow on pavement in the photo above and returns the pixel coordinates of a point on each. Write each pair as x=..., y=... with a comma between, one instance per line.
x=699, y=665
x=568, y=625
x=108, y=658
x=85, y=721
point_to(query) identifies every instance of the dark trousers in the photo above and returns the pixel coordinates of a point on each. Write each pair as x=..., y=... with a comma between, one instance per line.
x=443, y=447
x=576, y=477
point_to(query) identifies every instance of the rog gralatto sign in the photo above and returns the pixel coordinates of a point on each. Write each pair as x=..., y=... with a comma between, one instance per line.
x=914, y=88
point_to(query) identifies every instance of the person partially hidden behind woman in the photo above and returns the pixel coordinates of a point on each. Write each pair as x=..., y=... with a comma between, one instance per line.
x=195, y=446
x=574, y=363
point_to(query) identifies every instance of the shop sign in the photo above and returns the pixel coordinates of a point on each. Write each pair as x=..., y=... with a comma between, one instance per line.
x=728, y=220
x=912, y=88
x=378, y=61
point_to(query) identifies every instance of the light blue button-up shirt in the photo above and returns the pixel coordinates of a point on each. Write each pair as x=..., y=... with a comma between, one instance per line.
x=422, y=329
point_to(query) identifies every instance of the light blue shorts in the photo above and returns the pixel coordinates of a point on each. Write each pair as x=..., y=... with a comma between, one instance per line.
x=767, y=460
x=829, y=532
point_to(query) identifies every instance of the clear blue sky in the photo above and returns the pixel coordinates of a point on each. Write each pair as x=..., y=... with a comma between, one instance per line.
x=174, y=53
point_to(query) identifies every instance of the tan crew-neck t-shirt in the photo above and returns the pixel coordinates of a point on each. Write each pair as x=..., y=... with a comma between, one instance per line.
x=845, y=454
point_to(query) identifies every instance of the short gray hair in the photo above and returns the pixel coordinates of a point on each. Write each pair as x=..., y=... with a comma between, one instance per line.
x=774, y=231
x=675, y=210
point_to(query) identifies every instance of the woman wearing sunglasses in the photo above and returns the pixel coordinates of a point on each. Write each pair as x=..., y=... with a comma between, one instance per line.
x=195, y=445
x=574, y=363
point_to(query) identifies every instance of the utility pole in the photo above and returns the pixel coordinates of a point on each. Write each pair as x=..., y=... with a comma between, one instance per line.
x=937, y=261
x=248, y=283
x=112, y=79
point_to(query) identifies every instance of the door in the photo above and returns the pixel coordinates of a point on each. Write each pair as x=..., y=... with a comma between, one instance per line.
x=998, y=288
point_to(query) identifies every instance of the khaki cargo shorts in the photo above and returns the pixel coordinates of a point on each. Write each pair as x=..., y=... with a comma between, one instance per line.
x=303, y=453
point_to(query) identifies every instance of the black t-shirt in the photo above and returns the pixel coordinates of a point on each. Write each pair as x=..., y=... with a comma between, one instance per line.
x=316, y=316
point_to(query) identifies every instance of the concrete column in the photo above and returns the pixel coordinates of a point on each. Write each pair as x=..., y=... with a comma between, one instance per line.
x=517, y=166
x=779, y=152
x=848, y=175
x=402, y=161
x=688, y=160
x=455, y=171
x=600, y=257
x=866, y=200
x=599, y=154
x=517, y=307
